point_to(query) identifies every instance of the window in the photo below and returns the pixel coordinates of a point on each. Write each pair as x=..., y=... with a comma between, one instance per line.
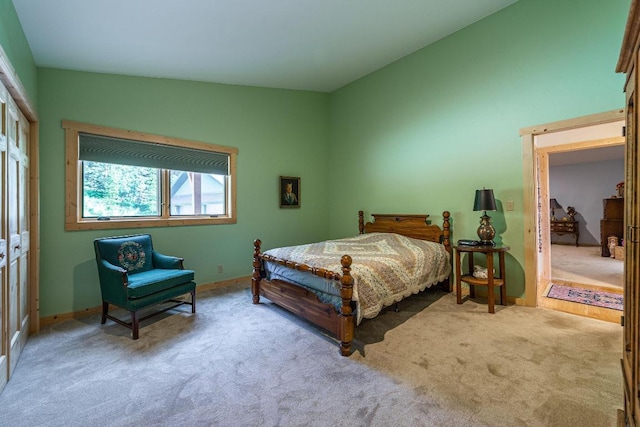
x=123, y=179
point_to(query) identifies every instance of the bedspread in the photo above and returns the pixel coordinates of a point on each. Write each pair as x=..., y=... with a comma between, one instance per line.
x=386, y=267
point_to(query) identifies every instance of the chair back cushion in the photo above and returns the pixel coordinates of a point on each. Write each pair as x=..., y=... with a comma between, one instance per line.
x=133, y=253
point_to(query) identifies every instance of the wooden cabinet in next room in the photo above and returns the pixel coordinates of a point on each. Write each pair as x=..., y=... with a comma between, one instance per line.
x=612, y=222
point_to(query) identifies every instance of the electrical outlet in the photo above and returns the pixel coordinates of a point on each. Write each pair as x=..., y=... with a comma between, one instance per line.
x=220, y=269
x=510, y=205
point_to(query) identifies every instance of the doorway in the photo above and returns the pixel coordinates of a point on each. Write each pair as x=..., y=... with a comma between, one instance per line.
x=571, y=138
x=581, y=183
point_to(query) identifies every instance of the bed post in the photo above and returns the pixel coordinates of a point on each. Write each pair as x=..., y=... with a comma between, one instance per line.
x=446, y=241
x=346, y=329
x=361, y=222
x=255, y=277
x=446, y=231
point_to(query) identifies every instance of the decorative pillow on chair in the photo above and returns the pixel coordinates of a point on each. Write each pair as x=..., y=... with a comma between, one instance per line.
x=133, y=253
x=131, y=256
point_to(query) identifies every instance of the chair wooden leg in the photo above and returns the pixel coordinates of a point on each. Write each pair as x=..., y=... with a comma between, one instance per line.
x=193, y=301
x=105, y=311
x=134, y=324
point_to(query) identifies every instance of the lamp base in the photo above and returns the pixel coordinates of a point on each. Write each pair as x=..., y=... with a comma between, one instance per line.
x=486, y=232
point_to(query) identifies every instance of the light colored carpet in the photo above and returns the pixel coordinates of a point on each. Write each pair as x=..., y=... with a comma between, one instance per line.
x=585, y=265
x=435, y=363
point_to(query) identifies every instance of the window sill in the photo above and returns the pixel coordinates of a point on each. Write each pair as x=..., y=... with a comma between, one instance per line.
x=94, y=224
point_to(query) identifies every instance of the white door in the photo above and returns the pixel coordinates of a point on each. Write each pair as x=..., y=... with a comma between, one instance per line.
x=23, y=227
x=18, y=330
x=4, y=341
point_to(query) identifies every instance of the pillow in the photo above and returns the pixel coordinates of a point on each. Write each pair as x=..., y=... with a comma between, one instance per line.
x=132, y=256
x=133, y=253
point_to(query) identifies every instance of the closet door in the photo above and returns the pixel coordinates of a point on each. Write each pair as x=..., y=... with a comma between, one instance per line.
x=632, y=231
x=23, y=227
x=630, y=358
x=4, y=294
x=18, y=330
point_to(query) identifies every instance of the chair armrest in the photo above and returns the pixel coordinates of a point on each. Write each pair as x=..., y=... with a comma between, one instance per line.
x=166, y=261
x=113, y=283
x=112, y=274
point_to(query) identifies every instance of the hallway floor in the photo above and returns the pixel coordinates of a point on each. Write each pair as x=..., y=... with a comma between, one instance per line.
x=584, y=265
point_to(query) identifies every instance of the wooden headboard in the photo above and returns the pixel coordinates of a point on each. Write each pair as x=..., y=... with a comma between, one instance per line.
x=414, y=226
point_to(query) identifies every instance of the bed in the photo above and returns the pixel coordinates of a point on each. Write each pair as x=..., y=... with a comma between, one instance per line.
x=320, y=283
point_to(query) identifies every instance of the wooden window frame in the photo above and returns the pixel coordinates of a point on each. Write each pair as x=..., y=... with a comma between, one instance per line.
x=73, y=204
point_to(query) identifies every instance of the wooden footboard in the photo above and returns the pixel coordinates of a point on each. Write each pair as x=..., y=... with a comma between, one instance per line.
x=305, y=303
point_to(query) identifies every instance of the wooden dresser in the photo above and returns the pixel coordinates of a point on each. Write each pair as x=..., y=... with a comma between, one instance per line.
x=612, y=222
x=568, y=227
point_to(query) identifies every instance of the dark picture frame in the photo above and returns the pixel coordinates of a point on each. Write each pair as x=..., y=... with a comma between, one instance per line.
x=289, y=192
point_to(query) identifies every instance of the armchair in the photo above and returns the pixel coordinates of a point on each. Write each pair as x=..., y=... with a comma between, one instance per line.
x=133, y=276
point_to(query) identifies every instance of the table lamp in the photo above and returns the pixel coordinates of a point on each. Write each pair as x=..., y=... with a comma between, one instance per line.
x=553, y=204
x=485, y=202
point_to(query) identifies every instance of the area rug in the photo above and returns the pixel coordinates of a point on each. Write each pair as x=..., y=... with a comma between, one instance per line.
x=587, y=296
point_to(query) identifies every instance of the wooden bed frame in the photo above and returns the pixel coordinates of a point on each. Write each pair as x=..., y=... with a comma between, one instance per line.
x=306, y=304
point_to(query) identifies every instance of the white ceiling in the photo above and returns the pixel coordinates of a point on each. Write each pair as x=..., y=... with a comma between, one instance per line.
x=601, y=154
x=317, y=45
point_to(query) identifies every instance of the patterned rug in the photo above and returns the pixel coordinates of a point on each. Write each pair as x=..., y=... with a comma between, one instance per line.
x=587, y=296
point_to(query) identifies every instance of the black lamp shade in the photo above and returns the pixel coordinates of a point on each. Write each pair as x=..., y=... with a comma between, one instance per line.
x=484, y=201
x=553, y=204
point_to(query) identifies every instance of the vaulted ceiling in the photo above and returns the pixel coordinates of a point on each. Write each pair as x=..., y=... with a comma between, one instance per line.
x=317, y=45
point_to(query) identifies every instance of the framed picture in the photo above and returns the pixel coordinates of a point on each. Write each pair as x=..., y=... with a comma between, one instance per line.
x=289, y=193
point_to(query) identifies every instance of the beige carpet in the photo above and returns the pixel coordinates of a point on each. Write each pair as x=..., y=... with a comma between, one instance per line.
x=585, y=265
x=435, y=363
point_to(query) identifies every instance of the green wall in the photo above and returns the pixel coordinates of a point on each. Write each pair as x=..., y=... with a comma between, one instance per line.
x=15, y=46
x=422, y=134
x=277, y=132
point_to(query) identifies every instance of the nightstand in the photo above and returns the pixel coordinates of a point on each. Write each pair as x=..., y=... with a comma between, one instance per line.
x=491, y=281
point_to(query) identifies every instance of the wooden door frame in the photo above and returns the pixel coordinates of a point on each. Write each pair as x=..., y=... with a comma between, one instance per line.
x=534, y=264
x=12, y=82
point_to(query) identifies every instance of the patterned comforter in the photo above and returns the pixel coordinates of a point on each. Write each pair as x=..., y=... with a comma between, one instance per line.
x=386, y=267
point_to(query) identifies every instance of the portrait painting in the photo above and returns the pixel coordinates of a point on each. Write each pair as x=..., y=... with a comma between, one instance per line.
x=289, y=192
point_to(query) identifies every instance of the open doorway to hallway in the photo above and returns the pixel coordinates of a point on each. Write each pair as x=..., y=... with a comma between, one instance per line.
x=539, y=143
x=585, y=181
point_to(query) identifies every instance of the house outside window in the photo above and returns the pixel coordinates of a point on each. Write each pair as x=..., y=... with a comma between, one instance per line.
x=197, y=194
x=124, y=179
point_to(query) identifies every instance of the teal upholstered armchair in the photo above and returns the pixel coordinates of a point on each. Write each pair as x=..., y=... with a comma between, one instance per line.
x=133, y=276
